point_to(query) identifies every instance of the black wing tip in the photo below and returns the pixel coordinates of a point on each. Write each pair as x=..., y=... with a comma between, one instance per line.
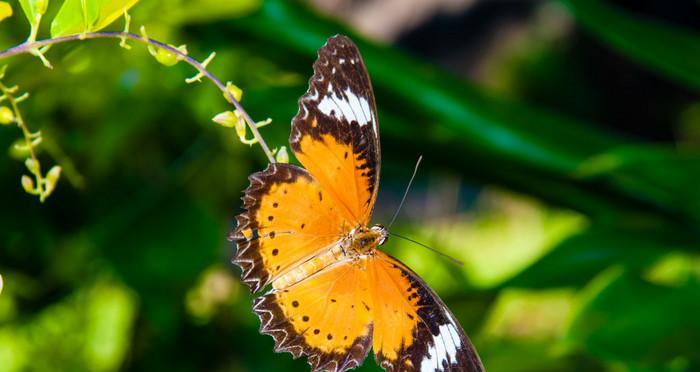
x=338, y=41
x=339, y=38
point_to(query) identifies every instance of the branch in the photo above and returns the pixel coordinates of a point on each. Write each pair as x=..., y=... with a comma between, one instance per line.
x=30, y=46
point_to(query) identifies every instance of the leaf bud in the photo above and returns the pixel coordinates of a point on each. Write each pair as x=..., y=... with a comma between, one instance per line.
x=7, y=117
x=27, y=184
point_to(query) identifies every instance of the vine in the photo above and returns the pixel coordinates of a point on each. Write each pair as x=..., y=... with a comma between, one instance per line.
x=43, y=185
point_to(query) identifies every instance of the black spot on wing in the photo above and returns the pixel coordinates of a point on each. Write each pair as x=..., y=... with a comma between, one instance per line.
x=287, y=339
x=246, y=235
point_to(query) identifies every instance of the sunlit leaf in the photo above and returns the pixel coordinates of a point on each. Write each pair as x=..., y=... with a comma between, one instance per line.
x=88, y=330
x=74, y=17
x=577, y=259
x=109, y=11
x=77, y=16
x=667, y=49
x=33, y=9
x=529, y=315
x=109, y=314
x=5, y=10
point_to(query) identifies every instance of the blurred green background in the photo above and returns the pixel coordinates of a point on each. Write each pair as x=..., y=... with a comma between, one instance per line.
x=561, y=144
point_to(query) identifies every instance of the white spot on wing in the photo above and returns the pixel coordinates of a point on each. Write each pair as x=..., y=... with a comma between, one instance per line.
x=353, y=107
x=443, y=349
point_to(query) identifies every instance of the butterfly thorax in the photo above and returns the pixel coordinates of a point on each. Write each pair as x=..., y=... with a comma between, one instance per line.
x=363, y=240
x=360, y=242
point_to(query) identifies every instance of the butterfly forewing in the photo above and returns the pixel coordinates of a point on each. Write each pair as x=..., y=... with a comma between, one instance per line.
x=335, y=133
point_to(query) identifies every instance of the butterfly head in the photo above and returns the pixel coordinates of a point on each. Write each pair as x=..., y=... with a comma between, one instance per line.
x=364, y=239
x=381, y=232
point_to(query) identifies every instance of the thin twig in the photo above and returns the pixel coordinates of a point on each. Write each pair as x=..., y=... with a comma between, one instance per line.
x=28, y=138
x=28, y=47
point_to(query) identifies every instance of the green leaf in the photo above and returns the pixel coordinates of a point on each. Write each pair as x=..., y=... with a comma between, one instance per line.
x=109, y=11
x=74, y=17
x=670, y=50
x=77, y=16
x=33, y=9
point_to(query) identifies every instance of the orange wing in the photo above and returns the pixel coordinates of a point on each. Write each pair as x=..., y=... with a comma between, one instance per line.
x=326, y=317
x=335, y=133
x=287, y=220
x=413, y=329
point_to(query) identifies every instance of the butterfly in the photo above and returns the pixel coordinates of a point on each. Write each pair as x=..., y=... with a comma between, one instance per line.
x=305, y=231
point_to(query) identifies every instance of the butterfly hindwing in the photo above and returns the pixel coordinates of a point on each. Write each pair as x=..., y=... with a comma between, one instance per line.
x=286, y=220
x=335, y=133
x=413, y=329
x=326, y=317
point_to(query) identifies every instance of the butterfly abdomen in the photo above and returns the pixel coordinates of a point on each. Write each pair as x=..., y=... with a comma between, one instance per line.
x=310, y=267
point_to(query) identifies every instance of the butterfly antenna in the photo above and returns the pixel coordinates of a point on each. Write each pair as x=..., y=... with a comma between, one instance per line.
x=408, y=187
x=458, y=262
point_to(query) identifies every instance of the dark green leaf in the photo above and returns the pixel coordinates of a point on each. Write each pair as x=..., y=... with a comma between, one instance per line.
x=664, y=48
x=625, y=318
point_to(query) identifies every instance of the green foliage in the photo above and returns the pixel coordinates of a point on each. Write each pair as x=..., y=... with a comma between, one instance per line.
x=88, y=330
x=661, y=318
x=80, y=16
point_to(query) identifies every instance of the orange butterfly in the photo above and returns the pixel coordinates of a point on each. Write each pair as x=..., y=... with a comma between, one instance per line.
x=306, y=231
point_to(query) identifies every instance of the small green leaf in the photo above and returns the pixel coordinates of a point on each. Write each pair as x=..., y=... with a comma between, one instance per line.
x=282, y=155
x=77, y=16
x=33, y=9
x=5, y=10
x=227, y=119
x=27, y=184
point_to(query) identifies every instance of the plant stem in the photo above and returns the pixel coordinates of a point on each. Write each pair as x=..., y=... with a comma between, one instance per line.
x=9, y=95
x=28, y=47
